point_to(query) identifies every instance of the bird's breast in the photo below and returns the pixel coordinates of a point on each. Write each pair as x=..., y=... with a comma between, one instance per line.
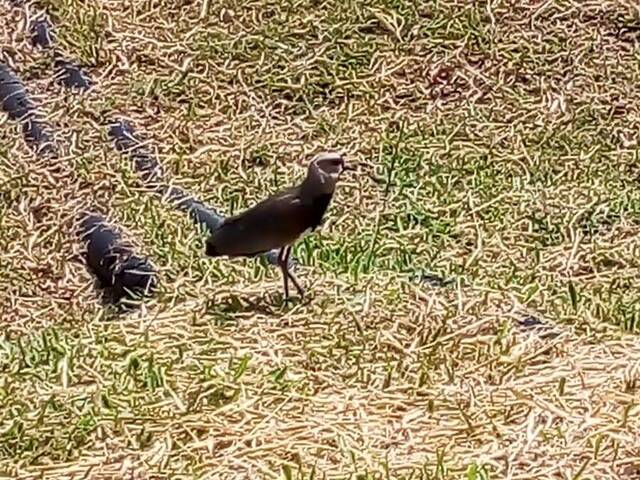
x=317, y=208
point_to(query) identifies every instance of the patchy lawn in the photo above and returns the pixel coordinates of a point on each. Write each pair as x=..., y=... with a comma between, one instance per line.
x=473, y=306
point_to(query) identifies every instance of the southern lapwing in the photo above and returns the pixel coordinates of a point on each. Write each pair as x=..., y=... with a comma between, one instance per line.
x=281, y=219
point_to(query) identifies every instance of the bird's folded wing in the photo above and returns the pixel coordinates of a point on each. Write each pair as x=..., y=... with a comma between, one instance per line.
x=273, y=223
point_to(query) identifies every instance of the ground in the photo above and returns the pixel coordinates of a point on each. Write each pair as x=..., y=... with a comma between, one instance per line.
x=472, y=305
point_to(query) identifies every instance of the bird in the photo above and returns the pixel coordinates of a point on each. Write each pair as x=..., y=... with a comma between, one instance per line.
x=278, y=221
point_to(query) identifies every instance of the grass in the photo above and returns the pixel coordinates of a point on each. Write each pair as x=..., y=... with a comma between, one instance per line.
x=496, y=146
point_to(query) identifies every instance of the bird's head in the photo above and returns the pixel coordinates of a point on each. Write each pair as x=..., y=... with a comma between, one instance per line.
x=325, y=169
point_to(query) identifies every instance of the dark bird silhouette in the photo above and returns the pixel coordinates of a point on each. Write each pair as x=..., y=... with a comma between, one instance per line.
x=281, y=219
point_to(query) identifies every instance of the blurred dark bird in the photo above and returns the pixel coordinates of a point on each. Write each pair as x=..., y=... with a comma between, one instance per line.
x=281, y=219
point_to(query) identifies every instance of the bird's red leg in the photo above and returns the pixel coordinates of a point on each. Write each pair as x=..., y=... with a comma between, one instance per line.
x=291, y=275
x=282, y=261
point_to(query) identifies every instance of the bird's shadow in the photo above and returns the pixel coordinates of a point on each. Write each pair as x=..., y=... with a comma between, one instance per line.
x=270, y=304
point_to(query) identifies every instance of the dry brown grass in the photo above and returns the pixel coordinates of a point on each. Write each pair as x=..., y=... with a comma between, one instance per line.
x=496, y=144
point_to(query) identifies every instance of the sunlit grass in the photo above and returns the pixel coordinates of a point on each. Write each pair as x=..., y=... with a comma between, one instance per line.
x=471, y=311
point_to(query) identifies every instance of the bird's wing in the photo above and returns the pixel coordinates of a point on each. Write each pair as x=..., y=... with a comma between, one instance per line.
x=272, y=223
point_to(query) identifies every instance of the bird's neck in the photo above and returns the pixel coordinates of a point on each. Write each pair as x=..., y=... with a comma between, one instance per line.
x=313, y=188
